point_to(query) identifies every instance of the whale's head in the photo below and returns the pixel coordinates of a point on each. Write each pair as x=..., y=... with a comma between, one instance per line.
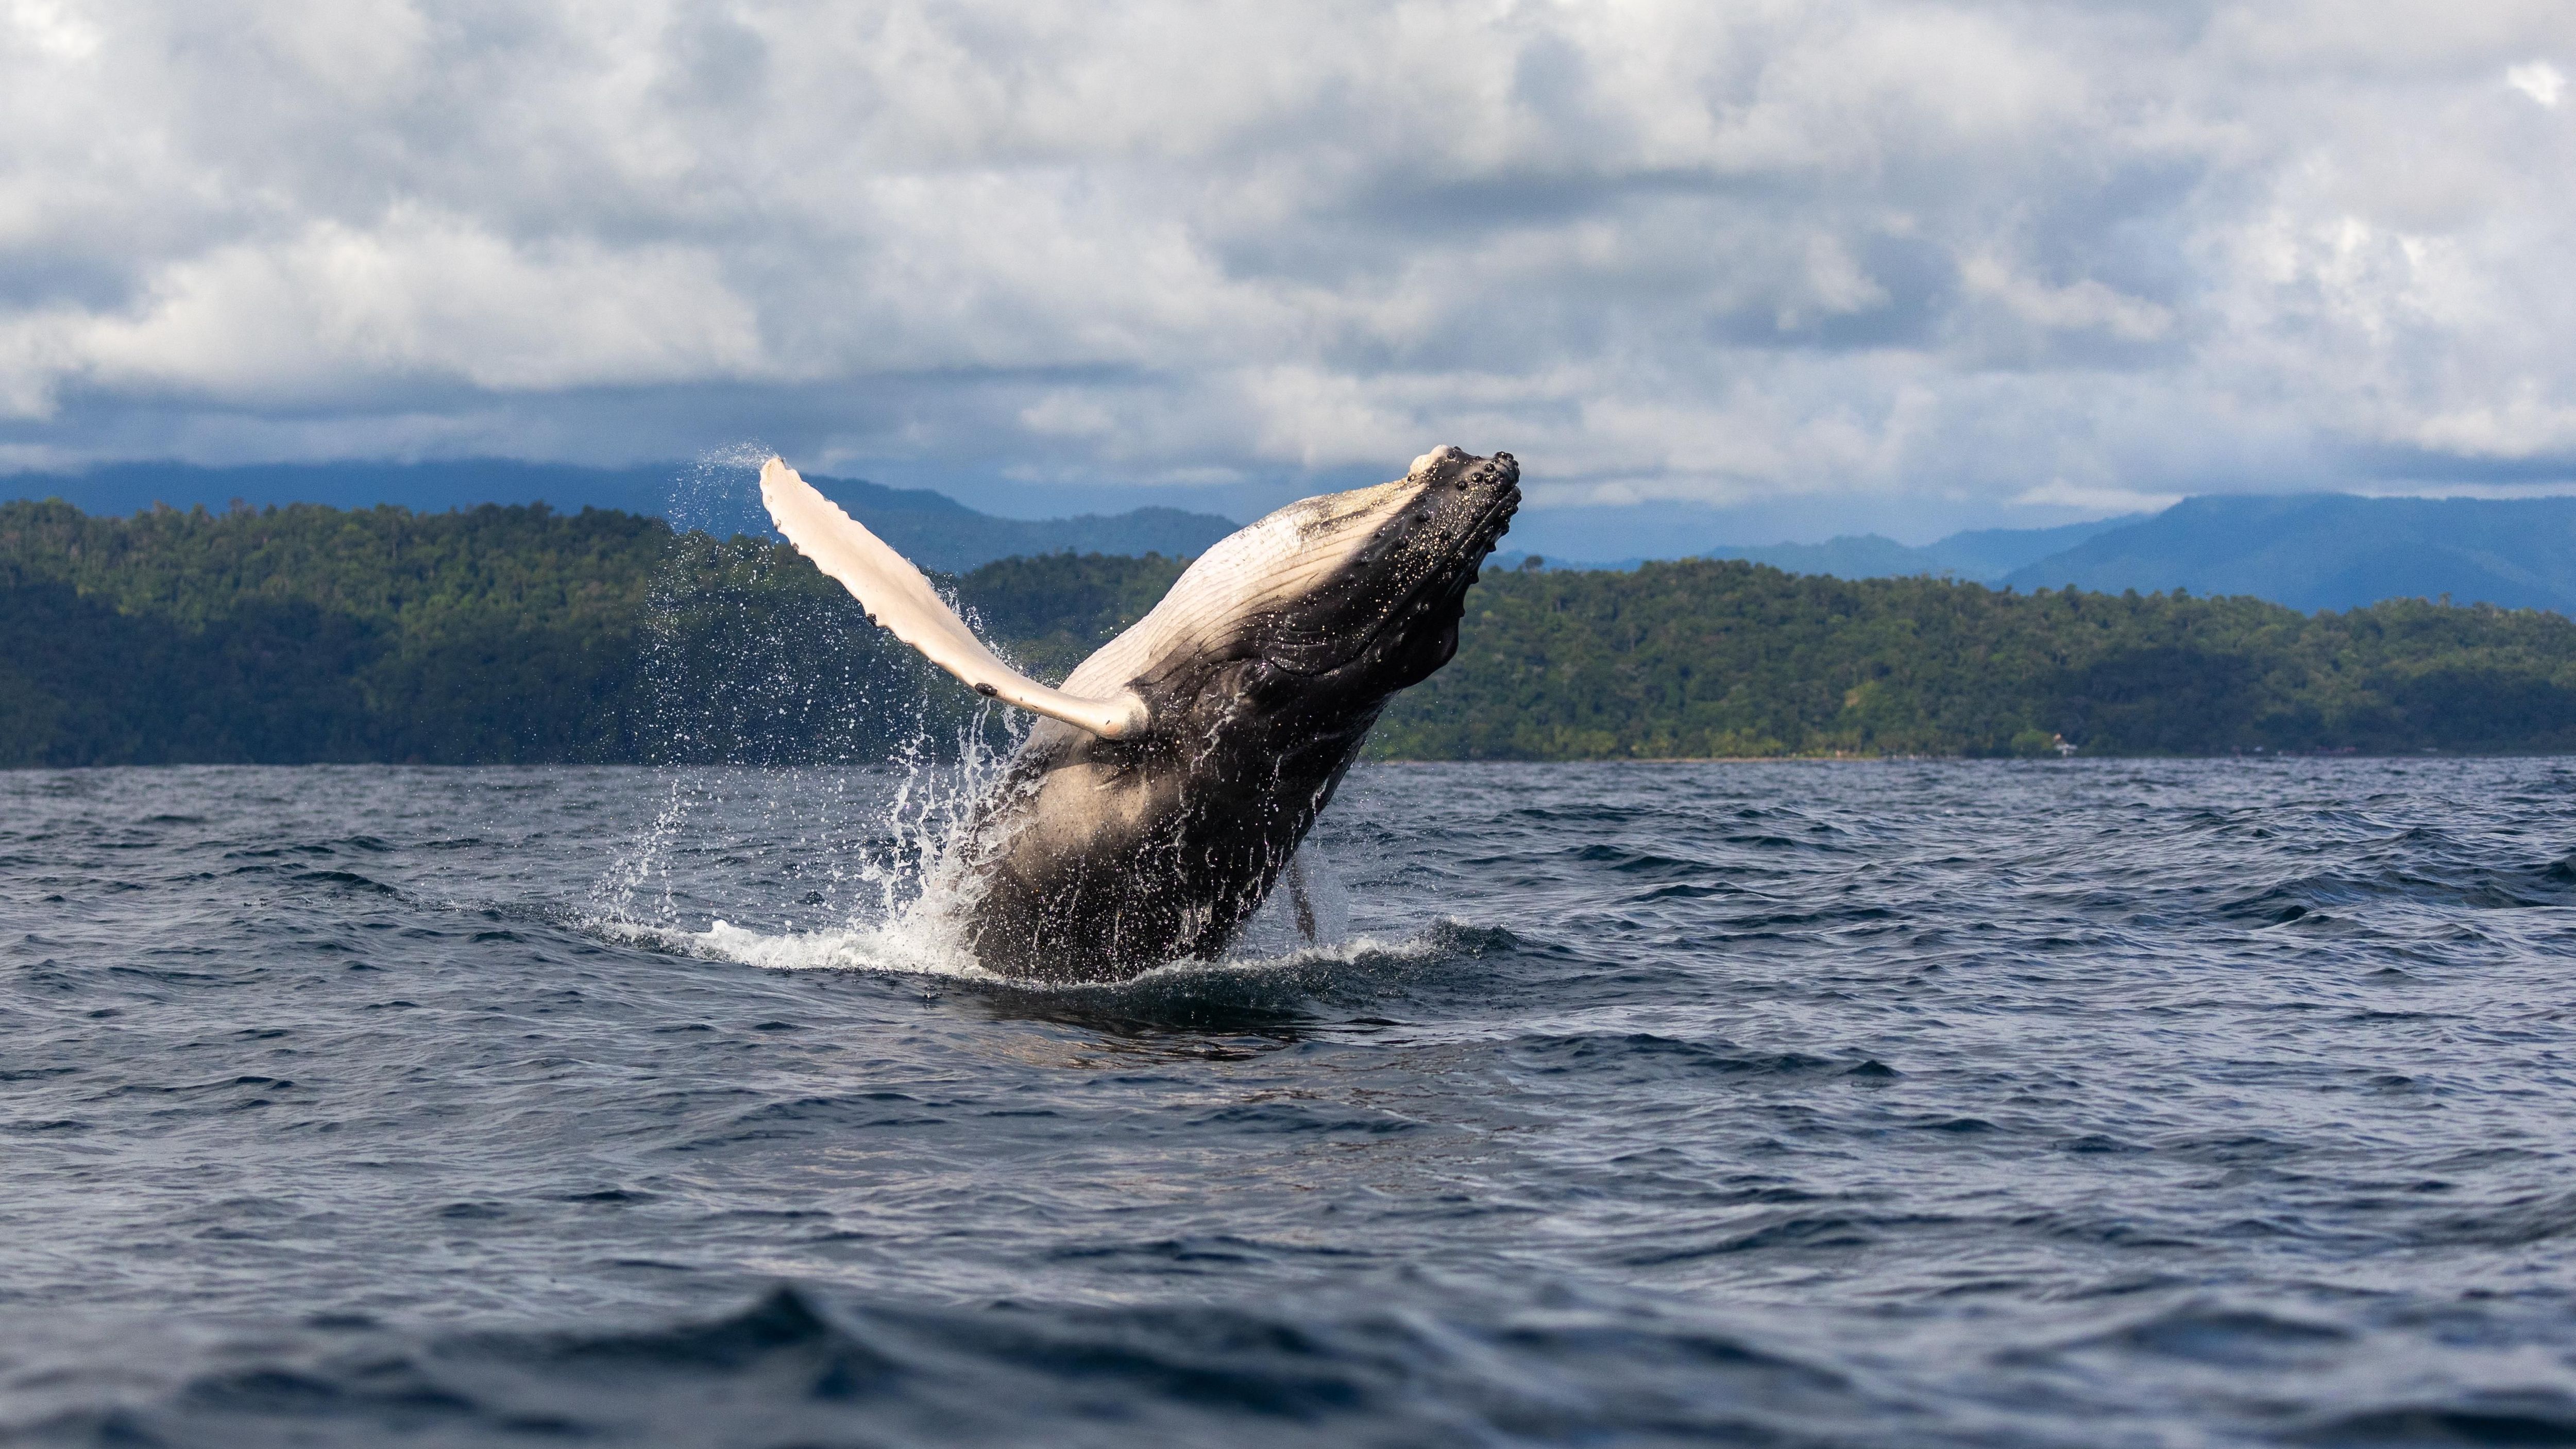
x=1323, y=608
x=1376, y=583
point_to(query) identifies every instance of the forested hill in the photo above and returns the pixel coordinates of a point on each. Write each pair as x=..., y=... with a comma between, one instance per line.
x=718, y=495
x=492, y=634
x=516, y=634
x=1709, y=658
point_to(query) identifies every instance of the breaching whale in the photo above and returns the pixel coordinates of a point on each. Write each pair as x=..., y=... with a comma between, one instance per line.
x=1169, y=780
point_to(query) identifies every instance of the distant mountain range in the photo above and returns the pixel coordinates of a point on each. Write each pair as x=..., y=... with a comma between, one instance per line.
x=938, y=532
x=2335, y=551
x=1985, y=555
x=933, y=529
x=2308, y=550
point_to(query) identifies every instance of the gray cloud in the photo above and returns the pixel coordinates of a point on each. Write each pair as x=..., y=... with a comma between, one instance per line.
x=1988, y=262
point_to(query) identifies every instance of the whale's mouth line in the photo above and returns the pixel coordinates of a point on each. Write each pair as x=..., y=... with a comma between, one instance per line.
x=1496, y=519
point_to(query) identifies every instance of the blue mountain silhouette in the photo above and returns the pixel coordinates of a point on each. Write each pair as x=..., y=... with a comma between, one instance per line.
x=2335, y=551
x=2307, y=550
x=933, y=529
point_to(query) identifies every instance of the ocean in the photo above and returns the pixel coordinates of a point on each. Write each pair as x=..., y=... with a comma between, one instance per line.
x=1890, y=1103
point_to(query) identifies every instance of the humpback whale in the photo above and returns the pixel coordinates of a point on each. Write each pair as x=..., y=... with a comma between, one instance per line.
x=1167, y=783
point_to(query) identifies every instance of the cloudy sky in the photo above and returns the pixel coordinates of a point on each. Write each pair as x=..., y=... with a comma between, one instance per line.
x=1715, y=272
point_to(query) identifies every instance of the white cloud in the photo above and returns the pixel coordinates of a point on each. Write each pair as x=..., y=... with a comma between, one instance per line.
x=2011, y=256
x=52, y=30
x=2539, y=80
x=2058, y=493
x=2085, y=305
x=338, y=316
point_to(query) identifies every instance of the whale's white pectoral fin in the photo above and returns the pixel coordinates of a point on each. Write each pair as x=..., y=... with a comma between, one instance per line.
x=897, y=596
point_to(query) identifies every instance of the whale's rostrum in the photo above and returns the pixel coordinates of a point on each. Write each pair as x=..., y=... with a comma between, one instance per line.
x=1171, y=777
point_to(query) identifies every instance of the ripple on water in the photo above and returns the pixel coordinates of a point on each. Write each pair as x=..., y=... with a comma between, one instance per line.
x=1906, y=1103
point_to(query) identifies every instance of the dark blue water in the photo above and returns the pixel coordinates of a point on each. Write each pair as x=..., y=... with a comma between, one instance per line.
x=1896, y=1104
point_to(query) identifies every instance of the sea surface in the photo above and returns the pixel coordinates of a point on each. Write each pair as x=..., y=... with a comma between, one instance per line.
x=2085, y=1103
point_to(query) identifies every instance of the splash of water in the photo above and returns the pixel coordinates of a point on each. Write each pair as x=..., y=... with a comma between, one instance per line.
x=872, y=846
x=790, y=729
x=719, y=493
x=922, y=941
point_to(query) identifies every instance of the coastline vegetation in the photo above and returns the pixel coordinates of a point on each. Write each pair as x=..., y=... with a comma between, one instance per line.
x=519, y=635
